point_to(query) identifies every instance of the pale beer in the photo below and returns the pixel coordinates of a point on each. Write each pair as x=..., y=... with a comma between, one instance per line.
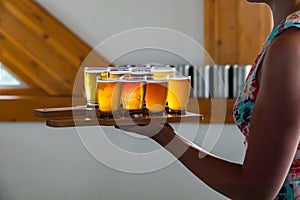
x=178, y=94
x=90, y=83
x=162, y=71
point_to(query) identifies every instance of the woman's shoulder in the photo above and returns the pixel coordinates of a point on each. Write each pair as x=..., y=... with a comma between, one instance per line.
x=286, y=46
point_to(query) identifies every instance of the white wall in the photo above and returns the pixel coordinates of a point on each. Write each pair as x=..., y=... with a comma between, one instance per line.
x=38, y=162
x=97, y=20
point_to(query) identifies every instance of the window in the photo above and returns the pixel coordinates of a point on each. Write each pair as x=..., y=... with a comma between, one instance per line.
x=8, y=80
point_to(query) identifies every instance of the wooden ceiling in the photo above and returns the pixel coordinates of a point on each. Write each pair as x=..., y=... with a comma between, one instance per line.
x=38, y=48
x=42, y=52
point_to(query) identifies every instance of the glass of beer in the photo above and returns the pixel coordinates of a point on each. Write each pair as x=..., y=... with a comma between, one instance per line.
x=133, y=93
x=90, y=84
x=140, y=71
x=161, y=70
x=156, y=94
x=118, y=72
x=109, y=96
x=178, y=94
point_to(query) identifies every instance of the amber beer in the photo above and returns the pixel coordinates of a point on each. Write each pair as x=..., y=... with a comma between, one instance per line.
x=109, y=95
x=156, y=94
x=133, y=90
x=178, y=94
x=90, y=84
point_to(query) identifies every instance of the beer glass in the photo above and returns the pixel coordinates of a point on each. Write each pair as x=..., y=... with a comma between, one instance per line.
x=118, y=72
x=140, y=71
x=178, y=94
x=132, y=97
x=156, y=94
x=109, y=95
x=162, y=71
x=90, y=84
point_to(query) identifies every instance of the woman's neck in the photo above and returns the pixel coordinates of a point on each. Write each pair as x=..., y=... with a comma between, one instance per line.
x=282, y=8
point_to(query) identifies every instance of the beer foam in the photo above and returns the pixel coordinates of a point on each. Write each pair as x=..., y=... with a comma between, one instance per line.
x=162, y=69
x=179, y=78
x=140, y=73
x=119, y=72
x=95, y=71
x=157, y=81
x=135, y=81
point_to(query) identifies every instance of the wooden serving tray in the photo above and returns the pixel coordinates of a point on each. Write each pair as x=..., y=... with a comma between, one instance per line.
x=82, y=116
x=63, y=112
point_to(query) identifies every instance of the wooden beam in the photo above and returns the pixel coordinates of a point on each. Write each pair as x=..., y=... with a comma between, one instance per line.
x=35, y=42
x=21, y=108
x=27, y=66
x=45, y=55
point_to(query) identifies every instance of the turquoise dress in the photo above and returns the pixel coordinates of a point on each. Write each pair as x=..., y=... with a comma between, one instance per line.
x=244, y=104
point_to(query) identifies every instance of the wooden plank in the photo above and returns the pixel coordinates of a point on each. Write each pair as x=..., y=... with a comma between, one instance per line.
x=41, y=20
x=235, y=30
x=29, y=67
x=53, y=31
x=35, y=44
x=21, y=108
x=260, y=22
x=227, y=43
x=51, y=48
x=84, y=121
x=209, y=28
x=217, y=111
x=22, y=91
x=64, y=112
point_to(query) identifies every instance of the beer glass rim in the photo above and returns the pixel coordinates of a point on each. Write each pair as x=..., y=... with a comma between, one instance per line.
x=133, y=78
x=179, y=77
x=154, y=79
x=162, y=69
x=118, y=72
x=140, y=68
x=95, y=69
x=141, y=73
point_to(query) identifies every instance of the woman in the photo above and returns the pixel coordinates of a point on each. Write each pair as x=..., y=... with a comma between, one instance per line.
x=268, y=114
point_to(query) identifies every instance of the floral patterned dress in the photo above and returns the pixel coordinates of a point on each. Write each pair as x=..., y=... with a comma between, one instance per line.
x=245, y=102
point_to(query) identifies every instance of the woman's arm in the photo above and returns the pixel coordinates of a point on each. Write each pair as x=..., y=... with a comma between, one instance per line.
x=274, y=131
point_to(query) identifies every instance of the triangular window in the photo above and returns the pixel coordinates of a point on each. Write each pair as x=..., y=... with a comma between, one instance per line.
x=9, y=80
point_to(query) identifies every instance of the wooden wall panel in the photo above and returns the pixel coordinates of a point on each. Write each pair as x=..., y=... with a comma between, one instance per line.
x=235, y=30
x=44, y=54
x=40, y=46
